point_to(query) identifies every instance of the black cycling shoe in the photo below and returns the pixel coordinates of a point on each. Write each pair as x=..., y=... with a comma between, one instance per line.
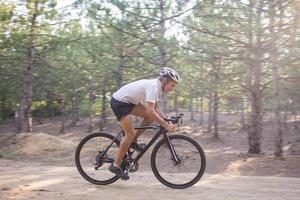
x=118, y=171
x=137, y=147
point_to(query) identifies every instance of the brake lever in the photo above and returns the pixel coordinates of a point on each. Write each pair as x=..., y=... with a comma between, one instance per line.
x=175, y=120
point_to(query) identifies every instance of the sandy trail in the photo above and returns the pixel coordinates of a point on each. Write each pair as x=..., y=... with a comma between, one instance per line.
x=36, y=181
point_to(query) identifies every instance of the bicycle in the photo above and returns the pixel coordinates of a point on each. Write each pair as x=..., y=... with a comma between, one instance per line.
x=169, y=157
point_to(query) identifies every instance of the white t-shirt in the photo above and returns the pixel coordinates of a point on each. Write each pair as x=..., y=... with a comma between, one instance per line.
x=145, y=90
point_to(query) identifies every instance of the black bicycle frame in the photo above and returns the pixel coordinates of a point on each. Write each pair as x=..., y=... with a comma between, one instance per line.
x=148, y=145
x=161, y=131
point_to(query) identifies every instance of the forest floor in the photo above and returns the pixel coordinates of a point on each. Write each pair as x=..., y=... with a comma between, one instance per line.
x=40, y=165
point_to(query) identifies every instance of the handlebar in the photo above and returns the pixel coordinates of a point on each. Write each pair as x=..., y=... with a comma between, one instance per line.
x=175, y=120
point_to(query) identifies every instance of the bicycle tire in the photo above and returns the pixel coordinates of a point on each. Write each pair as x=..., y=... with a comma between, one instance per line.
x=196, y=153
x=78, y=160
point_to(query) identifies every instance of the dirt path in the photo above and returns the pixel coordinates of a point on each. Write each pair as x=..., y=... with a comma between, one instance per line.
x=35, y=181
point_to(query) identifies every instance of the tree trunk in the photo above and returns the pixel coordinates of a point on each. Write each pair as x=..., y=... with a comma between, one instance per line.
x=255, y=128
x=296, y=121
x=27, y=81
x=243, y=123
x=184, y=106
x=49, y=109
x=119, y=76
x=295, y=116
x=75, y=108
x=176, y=103
x=201, y=111
x=28, y=91
x=62, y=114
x=210, y=105
x=197, y=109
x=161, y=46
x=103, y=108
x=2, y=112
x=19, y=119
x=91, y=116
x=285, y=118
x=165, y=104
x=92, y=97
x=253, y=63
x=215, y=115
x=215, y=105
x=275, y=84
x=191, y=105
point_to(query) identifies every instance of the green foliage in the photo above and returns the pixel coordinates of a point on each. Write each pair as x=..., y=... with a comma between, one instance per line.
x=118, y=42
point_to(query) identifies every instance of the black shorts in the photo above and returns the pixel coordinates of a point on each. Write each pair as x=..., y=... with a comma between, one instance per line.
x=120, y=108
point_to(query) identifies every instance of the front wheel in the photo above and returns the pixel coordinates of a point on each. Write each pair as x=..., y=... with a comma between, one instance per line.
x=187, y=170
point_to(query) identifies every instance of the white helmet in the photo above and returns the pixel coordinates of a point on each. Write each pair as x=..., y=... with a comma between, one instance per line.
x=170, y=73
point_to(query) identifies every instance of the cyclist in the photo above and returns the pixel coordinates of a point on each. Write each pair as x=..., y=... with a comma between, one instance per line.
x=140, y=98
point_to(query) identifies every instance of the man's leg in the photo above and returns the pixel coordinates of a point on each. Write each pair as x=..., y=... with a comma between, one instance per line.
x=126, y=126
x=141, y=111
x=139, y=132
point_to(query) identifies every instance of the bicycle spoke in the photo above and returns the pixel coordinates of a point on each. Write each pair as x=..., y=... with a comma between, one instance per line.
x=180, y=174
x=89, y=162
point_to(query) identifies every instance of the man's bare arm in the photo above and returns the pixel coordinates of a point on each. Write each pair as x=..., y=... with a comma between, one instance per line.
x=162, y=115
x=157, y=118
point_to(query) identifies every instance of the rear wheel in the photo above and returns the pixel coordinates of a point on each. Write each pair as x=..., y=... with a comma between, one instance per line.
x=91, y=160
x=182, y=174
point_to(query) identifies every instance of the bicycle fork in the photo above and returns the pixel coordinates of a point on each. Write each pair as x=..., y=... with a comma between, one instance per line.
x=172, y=149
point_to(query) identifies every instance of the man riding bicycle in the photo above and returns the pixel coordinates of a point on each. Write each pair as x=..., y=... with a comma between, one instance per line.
x=140, y=98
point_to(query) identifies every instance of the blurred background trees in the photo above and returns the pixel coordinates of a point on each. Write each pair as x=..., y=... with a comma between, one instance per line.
x=66, y=59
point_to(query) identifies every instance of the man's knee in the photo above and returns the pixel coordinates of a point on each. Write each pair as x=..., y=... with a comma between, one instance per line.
x=147, y=121
x=130, y=136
